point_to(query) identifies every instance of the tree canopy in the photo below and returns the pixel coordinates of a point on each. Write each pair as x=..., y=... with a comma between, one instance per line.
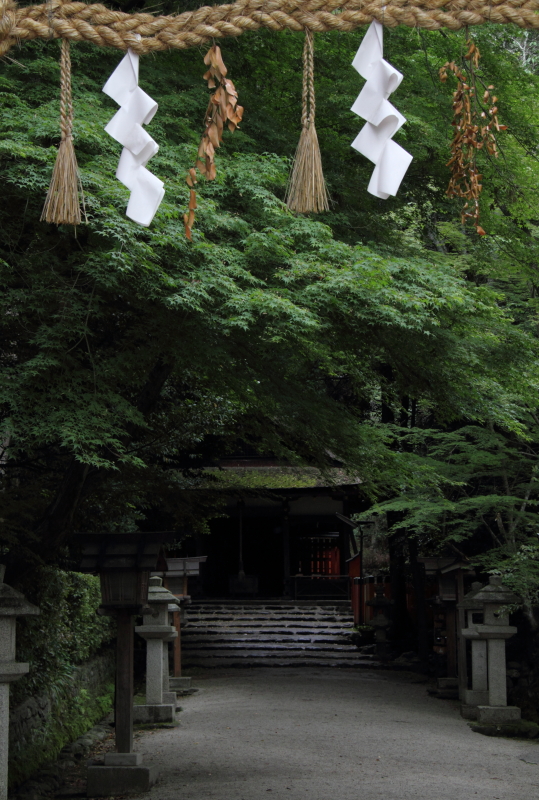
x=381, y=333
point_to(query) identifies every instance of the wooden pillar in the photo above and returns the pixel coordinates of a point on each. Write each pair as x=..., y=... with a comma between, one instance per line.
x=286, y=552
x=451, y=630
x=124, y=682
x=177, y=646
x=461, y=641
x=418, y=579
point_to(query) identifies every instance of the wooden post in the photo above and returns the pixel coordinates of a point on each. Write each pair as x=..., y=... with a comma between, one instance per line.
x=177, y=646
x=124, y=682
x=286, y=552
x=461, y=641
x=451, y=630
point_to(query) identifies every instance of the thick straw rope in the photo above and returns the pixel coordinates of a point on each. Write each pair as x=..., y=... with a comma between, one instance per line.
x=95, y=23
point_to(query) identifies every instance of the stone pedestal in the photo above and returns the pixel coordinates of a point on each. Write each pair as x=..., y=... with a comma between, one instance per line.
x=12, y=605
x=160, y=701
x=381, y=622
x=180, y=684
x=478, y=694
x=117, y=779
x=488, y=695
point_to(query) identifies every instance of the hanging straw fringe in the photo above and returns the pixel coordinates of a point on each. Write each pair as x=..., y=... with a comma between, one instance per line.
x=62, y=204
x=306, y=190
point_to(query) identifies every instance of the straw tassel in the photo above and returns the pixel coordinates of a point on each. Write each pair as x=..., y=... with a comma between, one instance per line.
x=62, y=204
x=306, y=191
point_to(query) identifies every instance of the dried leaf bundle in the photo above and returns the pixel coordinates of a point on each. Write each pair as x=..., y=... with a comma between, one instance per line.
x=473, y=130
x=223, y=111
x=306, y=192
x=62, y=202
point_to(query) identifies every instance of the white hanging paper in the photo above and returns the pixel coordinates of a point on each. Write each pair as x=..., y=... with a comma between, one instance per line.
x=136, y=109
x=382, y=119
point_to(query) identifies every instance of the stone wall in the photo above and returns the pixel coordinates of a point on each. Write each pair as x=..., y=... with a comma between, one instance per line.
x=41, y=726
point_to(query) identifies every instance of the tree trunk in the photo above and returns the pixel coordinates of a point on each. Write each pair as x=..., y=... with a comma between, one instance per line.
x=418, y=578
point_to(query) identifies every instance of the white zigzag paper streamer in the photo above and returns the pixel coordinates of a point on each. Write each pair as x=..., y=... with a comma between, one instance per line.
x=383, y=120
x=136, y=109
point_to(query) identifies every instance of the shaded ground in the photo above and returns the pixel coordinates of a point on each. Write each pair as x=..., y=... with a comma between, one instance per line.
x=327, y=734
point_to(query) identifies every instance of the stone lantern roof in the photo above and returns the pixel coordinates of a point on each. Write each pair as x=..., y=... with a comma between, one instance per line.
x=470, y=602
x=157, y=593
x=495, y=593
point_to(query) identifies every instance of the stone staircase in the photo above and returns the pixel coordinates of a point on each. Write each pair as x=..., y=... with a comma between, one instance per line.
x=266, y=634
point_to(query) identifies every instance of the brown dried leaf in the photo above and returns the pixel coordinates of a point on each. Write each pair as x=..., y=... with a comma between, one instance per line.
x=213, y=136
x=222, y=106
x=218, y=60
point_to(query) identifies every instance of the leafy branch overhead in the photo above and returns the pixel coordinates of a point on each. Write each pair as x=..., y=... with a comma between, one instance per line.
x=223, y=111
x=473, y=130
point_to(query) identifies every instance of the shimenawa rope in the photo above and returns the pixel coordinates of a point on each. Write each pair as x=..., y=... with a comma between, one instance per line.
x=96, y=23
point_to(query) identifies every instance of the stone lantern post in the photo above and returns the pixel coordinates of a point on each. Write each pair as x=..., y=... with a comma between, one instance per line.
x=12, y=605
x=473, y=614
x=493, y=631
x=380, y=621
x=158, y=632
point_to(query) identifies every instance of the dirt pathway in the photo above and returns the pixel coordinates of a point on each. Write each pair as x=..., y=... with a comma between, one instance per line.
x=331, y=735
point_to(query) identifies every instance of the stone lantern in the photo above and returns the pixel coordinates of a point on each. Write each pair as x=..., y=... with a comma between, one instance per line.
x=380, y=621
x=12, y=605
x=493, y=631
x=175, y=574
x=158, y=632
x=473, y=614
x=123, y=562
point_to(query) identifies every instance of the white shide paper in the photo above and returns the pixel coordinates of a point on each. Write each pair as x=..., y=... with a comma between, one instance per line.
x=374, y=141
x=136, y=109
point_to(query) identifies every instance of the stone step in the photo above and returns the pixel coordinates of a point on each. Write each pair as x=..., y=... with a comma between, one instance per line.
x=321, y=612
x=319, y=605
x=270, y=653
x=195, y=637
x=271, y=647
x=292, y=624
x=249, y=663
x=269, y=634
x=261, y=620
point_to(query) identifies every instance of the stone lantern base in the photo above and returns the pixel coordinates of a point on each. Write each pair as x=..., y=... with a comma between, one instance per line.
x=121, y=773
x=498, y=714
x=180, y=684
x=162, y=712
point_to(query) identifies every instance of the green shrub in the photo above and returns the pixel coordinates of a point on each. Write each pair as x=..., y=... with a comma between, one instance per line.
x=66, y=633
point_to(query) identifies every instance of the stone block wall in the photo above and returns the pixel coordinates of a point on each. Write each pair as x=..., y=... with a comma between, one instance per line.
x=41, y=726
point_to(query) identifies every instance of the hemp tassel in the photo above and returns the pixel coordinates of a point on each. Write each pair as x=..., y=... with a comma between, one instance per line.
x=62, y=203
x=306, y=191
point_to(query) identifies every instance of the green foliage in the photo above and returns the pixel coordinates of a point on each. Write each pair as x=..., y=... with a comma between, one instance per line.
x=133, y=359
x=68, y=631
x=70, y=716
x=66, y=634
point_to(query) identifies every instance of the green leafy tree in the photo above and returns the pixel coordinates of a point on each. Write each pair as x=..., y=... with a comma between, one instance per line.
x=131, y=358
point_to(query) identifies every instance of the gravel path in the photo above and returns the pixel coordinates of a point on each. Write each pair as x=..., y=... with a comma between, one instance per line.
x=331, y=735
